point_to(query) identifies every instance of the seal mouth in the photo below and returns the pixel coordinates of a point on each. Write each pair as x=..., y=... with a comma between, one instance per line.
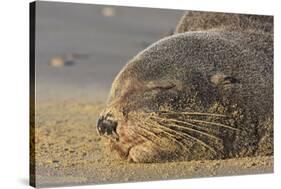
x=107, y=128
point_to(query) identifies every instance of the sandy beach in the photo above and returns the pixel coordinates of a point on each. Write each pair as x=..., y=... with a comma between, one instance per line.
x=69, y=151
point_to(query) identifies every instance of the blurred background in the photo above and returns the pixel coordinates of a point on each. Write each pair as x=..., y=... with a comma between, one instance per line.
x=80, y=48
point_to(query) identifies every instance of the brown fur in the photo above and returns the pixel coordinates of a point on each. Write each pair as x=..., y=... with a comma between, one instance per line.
x=204, y=93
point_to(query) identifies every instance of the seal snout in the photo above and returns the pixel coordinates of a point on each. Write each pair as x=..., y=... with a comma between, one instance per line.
x=107, y=127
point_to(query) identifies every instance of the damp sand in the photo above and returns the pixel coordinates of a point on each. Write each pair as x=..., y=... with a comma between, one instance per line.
x=69, y=151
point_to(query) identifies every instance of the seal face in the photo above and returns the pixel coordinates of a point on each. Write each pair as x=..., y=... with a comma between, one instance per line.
x=195, y=95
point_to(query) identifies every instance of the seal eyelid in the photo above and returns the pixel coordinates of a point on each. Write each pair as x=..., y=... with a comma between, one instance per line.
x=162, y=85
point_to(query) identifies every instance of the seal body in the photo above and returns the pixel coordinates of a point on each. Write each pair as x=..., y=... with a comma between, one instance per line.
x=202, y=93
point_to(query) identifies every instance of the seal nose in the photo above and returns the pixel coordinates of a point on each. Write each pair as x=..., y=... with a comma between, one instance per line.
x=107, y=127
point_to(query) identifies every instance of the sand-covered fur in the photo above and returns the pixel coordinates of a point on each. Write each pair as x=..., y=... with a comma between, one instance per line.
x=205, y=92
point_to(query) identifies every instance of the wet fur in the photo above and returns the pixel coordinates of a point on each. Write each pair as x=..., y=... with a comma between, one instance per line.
x=205, y=92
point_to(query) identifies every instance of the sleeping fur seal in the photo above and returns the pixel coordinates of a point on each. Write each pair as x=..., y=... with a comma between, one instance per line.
x=205, y=92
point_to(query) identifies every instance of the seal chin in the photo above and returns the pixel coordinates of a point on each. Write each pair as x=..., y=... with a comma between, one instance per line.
x=107, y=127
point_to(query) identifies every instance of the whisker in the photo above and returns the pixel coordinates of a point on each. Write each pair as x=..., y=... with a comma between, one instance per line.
x=155, y=124
x=199, y=121
x=191, y=113
x=145, y=137
x=148, y=131
x=175, y=120
x=188, y=128
x=195, y=130
x=214, y=123
x=201, y=142
x=191, y=137
x=168, y=134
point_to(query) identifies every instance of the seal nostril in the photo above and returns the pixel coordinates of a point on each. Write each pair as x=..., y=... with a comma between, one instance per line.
x=106, y=127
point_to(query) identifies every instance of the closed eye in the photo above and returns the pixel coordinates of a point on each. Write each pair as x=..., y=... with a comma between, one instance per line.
x=161, y=87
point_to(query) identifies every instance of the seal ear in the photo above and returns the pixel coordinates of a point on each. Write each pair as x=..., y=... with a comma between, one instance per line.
x=222, y=79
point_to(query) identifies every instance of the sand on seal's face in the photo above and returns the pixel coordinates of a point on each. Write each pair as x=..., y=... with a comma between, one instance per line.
x=69, y=151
